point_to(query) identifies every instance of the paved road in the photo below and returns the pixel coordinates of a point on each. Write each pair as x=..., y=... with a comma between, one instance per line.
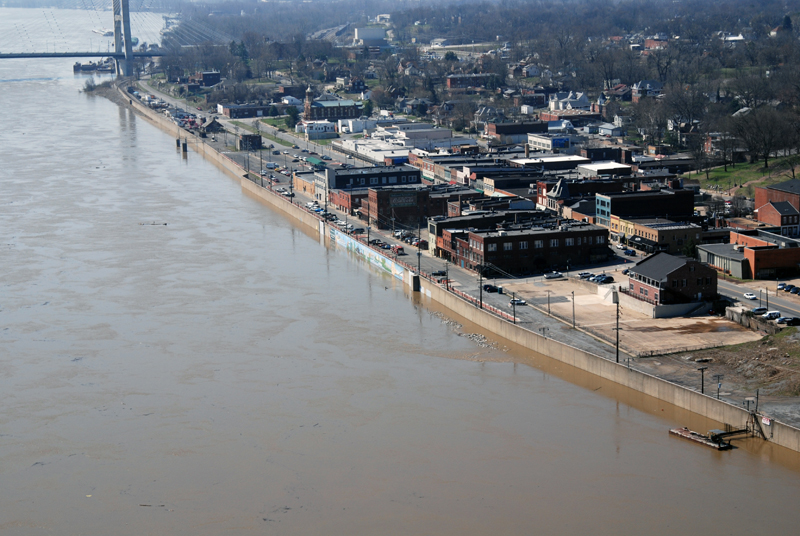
x=788, y=304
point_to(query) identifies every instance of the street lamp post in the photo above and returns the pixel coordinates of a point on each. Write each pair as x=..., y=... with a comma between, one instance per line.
x=718, y=378
x=617, y=329
x=548, y=302
x=514, y=307
x=702, y=379
x=480, y=284
x=573, y=309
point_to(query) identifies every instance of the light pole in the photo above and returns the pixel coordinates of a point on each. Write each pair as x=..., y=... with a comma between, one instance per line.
x=548, y=303
x=759, y=297
x=702, y=379
x=480, y=284
x=617, y=329
x=573, y=309
x=718, y=378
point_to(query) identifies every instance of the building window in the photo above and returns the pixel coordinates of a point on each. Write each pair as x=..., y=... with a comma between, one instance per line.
x=683, y=282
x=403, y=178
x=384, y=180
x=392, y=180
x=362, y=180
x=675, y=283
x=641, y=290
x=699, y=280
x=523, y=245
x=600, y=240
x=508, y=246
x=569, y=241
x=538, y=244
x=373, y=180
x=554, y=242
x=491, y=247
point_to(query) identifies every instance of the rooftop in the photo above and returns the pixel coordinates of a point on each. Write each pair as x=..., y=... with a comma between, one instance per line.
x=659, y=266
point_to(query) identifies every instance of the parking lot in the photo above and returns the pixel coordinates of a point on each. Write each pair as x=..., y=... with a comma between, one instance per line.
x=639, y=333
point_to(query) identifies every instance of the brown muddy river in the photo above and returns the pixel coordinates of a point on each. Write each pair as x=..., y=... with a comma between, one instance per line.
x=227, y=374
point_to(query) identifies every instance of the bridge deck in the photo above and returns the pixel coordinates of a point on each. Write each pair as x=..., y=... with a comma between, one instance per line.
x=115, y=55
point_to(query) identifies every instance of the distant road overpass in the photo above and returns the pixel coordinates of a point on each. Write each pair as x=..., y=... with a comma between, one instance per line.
x=115, y=55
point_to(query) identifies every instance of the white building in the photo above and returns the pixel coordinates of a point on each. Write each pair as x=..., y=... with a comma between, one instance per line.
x=569, y=101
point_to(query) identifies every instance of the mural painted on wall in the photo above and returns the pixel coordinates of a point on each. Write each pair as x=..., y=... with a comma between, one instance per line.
x=373, y=257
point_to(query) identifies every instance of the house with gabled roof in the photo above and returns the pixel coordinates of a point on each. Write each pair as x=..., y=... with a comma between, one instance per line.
x=781, y=214
x=664, y=279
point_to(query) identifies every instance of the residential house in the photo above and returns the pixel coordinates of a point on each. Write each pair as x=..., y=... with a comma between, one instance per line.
x=646, y=88
x=664, y=279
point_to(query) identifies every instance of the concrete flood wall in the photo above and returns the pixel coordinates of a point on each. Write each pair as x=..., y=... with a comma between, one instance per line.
x=778, y=433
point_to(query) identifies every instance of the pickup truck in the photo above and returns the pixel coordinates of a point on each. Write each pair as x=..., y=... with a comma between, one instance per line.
x=398, y=250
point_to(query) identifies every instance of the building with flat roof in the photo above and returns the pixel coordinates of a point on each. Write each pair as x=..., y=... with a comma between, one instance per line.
x=666, y=203
x=600, y=169
x=754, y=254
x=520, y=250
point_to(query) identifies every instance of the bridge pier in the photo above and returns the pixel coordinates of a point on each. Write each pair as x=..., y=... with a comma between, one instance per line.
x=123, y=43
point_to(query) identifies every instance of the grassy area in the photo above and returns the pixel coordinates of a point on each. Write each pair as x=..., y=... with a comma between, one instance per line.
x=274, y=122
x=323, y=142
x=251, y=129
x=742, y=174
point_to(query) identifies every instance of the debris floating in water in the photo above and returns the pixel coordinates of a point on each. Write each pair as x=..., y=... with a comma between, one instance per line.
x=154, y=223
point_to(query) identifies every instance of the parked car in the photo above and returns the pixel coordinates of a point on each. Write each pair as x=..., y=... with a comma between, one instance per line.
x=359, y=230
x=585, y=275
x=749, y=296
x=758, y=310
x=517, y=301
x=326, y=157
x=788, y=288
x=439, y=273
x=781, y=285
x=490, y=288
x=771, y=315
x=625, y=271
x=553, y=275
x=277, y=152
x=604, y=280
x=630, y=253
x=620, y=246
x=783, y=319
x=795, y=290
x=794, y=321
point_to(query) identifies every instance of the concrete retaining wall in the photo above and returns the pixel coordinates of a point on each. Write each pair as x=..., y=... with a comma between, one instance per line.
x=778, y=433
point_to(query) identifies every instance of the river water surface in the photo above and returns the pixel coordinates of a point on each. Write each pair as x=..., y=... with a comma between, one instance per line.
x=227, y=374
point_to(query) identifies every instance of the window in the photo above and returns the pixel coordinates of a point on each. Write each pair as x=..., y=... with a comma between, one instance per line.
x=403, y=178
x=392, y=180
x=554, y=242
x=362, y=180
x=508, y=246
x=538, y=244
x=708, y=280
x=569, y=241
x=631, y=285
x=600, y=240
x=699, y=280
x=384, y=180
x=683, y=282
x=674, y=282
x=373, y=180
x=646, y=292
x=641, y=290
x=491, y=247
x=523, y=245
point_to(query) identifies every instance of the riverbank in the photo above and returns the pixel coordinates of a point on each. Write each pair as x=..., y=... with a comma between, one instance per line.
x=502, y=326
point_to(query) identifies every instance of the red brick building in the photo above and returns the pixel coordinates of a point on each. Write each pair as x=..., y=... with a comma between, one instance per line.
x=781, y=214
x=788, y=191
x=663, y=279
x=534, y=249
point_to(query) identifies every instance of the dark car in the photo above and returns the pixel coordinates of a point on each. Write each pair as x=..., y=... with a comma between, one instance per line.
x=630, y=253
x=794, y=321
x=788, y=288
x=490, y=288
x=604, y=280
x=439, y=273
x=795, y=290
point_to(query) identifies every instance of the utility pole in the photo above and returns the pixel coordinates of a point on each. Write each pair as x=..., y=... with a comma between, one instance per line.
x=548, y=303
x=573, y=309
x=617, y=330
x=514, y=306
x=718, y=378
x=702, y=379
x=480, y=284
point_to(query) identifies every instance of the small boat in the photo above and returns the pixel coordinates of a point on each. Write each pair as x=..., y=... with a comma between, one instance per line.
x=711, y=440
x=76, y=67
x=91, y=66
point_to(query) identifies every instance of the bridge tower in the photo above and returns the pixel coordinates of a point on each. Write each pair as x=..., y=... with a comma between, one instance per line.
x=122, y=37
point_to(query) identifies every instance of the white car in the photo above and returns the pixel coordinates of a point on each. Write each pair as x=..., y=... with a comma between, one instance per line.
x=553, y=275
x=749, y=296
x=620, y=246
x=517, y=301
